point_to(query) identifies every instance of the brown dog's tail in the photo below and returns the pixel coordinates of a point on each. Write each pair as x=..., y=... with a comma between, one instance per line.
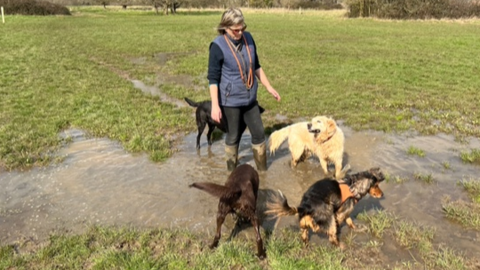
x=278, y=206
x=276, y=139
x=211, y=188
x=191, y=102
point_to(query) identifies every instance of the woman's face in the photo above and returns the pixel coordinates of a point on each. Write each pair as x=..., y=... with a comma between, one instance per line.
x=236, y=31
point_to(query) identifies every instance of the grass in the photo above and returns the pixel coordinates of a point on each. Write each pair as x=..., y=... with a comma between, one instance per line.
x=472, y=157
x=127, y=248
x=446, y=165
x=76, y=71
x=472, y=187
x=425, y=178
x=412, y=150
x=123, y=248
x=377, y=223
x=397, y=179
x=464, y=212
x=412, y=236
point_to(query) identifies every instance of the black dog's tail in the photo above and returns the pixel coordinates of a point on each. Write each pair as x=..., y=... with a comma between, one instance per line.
x=191, y=102
x=278, y=206
x=214, y=189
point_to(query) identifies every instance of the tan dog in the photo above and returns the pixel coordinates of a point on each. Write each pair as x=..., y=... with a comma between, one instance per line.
x=320, y=137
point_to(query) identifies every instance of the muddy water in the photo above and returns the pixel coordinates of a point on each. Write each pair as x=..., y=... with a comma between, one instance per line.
x=100, y=183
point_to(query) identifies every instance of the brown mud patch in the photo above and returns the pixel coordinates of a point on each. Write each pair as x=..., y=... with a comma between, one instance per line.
x=100, y=183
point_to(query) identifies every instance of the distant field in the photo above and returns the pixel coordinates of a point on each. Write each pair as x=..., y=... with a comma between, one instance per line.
x=76, y=71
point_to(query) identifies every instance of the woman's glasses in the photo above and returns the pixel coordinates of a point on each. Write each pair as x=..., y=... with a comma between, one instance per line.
x=236, y=31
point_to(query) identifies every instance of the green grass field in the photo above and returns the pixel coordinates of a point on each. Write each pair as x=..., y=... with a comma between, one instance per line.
x=76, y=71
x=61, y=72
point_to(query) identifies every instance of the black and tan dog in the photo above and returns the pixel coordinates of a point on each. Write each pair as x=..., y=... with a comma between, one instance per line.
x=203, y=118
x=328, y=203
x=238, y=196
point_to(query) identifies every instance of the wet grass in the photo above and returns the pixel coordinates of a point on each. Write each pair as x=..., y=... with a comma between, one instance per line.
x=377, y=223
x=418, y=240
x=75, y=72
x=472, y=186
x=466, y=213
x=412, y=150
x=126, y=248
x=425, y=178
x=119, y=248
x=399, y=179
x=446, y=165
x=472, y=157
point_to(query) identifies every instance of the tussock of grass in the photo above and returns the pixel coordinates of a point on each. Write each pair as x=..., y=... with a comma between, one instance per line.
x=425, y=178
x=447, y=258
x=378, y=222
x=446, y=165
x=397, y=179
x=472, y=186
x=409, y=235
x=466, y=213
x=413, y=236
x=412, y=150
x=472, y=157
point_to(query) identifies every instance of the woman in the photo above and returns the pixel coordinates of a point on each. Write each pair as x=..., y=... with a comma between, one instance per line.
x=233, y=70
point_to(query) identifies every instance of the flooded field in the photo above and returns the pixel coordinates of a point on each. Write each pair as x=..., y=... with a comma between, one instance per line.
x=100, y=183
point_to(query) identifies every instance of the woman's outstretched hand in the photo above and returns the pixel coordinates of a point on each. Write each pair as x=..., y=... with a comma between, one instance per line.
x=274, y=93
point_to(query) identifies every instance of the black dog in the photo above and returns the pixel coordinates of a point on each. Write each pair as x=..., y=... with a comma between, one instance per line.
x=328, y=203
x=238, y=196
x=204, y=118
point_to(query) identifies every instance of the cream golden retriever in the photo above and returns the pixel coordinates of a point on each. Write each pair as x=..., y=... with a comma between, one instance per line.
x=320, y=137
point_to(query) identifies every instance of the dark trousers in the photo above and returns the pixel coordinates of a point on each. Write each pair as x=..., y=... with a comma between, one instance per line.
x=238, y=118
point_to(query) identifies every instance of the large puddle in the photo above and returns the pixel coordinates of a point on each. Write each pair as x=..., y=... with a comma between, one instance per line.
x=100, y=183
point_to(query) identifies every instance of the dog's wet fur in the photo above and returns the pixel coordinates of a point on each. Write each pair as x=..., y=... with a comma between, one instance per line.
x=322, y=209
x=203, y=118
x=238, y=196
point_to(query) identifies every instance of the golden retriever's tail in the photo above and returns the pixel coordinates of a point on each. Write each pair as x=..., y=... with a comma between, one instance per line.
x=278, y=206
x=277, y=138
x=211, y=188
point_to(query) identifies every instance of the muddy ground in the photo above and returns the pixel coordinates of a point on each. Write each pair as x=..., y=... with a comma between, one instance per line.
x=100, y=183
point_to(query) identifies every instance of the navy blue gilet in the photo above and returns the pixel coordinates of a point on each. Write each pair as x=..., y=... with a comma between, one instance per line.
x=233, y=91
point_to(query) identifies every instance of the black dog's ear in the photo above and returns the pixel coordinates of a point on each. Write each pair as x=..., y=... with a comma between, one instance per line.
x=377, y=174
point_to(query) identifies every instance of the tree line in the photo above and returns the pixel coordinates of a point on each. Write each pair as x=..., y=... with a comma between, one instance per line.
x=172, y=5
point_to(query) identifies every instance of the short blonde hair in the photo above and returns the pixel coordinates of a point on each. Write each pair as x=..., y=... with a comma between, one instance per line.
x=230, y=17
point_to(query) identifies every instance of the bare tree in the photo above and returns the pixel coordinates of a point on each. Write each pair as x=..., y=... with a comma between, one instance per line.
x=166, y=5
x=104, y=3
